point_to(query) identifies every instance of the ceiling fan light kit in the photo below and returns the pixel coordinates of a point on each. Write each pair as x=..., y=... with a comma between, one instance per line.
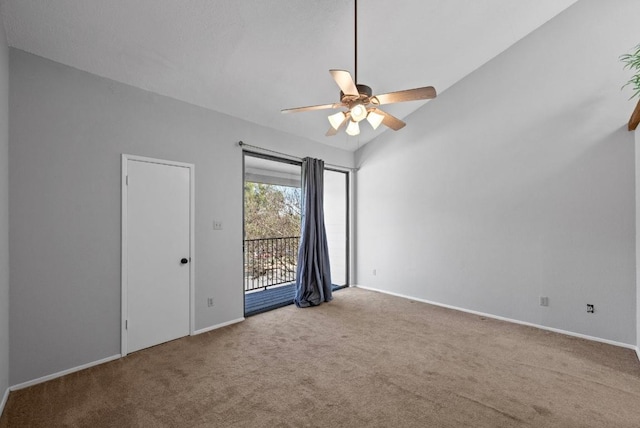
x=374, y=119
x=360, y=102
x=336, y=119
x=358, y=112
x=353, y=128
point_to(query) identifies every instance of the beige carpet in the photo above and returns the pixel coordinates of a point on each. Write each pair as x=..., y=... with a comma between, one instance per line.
x=363, y=360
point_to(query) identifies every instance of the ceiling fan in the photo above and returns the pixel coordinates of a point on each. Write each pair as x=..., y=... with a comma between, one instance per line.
x=360, y=102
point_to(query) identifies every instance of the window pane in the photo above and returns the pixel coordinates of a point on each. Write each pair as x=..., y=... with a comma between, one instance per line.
x=335, y=219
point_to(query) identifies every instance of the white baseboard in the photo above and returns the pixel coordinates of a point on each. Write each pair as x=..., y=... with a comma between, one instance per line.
x=95, y=363
x=62, y=373
x=497, y=317
x=638, y=352
x=217, y=326
x=5, y=397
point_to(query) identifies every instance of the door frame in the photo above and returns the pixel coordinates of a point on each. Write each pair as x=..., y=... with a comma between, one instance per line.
x=125, y=252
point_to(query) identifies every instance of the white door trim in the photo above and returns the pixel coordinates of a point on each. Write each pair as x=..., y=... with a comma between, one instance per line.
x=125, y=266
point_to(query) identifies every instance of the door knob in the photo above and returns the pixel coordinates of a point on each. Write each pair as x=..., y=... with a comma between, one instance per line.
x=184, y=261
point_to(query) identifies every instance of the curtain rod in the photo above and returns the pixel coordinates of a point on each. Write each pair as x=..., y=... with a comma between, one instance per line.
x=243, y=144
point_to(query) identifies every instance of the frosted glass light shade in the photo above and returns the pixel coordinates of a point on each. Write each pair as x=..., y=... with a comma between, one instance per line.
x=353, y=128
x=375, y=119
x=336, y=120
x=358, y=112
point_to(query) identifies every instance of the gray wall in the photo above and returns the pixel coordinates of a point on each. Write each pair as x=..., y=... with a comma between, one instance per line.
x=4, y=213
x=68, y=130
x=517, y=182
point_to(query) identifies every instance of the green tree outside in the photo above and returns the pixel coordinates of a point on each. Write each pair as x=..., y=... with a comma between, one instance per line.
x=271, y=211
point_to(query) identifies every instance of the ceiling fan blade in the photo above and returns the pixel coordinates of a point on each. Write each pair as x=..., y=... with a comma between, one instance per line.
x=331, y=132
x=345, y=82
x=309, y=108
x=425, y=93
x=390, y=121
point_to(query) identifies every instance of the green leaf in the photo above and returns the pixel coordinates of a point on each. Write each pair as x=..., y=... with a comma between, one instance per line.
x=631, y=61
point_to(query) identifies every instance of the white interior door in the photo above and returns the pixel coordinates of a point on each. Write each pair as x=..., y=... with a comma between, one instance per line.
x=158, y=271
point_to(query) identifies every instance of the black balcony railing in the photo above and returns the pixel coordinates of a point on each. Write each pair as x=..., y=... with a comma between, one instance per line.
x=270, y=261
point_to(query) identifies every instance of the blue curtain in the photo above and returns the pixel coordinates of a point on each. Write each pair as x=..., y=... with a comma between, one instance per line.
x=313, y=280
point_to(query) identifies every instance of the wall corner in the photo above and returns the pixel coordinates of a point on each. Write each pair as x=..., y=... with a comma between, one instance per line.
x=637, y=171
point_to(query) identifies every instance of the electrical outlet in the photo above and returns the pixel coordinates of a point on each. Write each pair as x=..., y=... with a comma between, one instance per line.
x=590, y=308
x=544, y=301
x=217, y=225
x=210, y=302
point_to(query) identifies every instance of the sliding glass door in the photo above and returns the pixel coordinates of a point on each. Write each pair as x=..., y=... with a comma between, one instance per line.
x=272, y=216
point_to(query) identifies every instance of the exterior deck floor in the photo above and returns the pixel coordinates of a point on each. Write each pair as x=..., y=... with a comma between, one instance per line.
x=271, y=298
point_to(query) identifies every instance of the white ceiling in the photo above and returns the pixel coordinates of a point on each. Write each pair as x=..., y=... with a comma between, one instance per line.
x=252, y=58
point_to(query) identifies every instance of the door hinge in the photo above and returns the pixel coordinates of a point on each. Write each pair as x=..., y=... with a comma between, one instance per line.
x=126, y=324
x=127, y=179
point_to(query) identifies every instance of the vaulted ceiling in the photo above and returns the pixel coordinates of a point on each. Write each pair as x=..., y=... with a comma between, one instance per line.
x=252, y=58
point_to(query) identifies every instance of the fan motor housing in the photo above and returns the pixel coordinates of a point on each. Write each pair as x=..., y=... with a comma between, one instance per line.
x=365, y=94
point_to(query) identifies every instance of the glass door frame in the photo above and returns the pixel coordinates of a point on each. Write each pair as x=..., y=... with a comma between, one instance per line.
x=347, y=225
x=246, y=152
